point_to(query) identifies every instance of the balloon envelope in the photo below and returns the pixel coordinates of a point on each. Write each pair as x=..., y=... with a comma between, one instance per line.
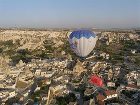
x=82, y=42
x=95, y=80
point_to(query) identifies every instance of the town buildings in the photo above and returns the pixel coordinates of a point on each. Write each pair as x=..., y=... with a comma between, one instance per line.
x=48, y=78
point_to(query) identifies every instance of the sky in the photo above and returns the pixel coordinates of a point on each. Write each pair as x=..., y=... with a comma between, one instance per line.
x=70, y=13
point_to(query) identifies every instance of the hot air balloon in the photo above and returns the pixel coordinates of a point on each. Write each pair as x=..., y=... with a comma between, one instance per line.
x=96, y=80
x=82, y=42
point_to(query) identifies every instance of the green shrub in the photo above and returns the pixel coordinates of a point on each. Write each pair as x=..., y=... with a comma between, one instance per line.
x=8, y=43
x=1, y=50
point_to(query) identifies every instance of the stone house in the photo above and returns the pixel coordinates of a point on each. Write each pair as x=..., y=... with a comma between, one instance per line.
x=12, y=94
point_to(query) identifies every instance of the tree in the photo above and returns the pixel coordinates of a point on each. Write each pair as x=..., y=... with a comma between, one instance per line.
x=11, y=101
x=48, y=44
x=1, y=50
x=23, y=55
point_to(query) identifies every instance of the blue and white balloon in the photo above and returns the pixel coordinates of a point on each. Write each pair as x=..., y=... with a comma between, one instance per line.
x=82, y=42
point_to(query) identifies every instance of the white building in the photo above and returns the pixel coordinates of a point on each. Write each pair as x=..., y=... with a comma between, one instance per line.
x=43, y=73
x=2, y=76
x=38, y=72
x=110, y=84
x=3, y=94
x=14, y=73
x=12, y=94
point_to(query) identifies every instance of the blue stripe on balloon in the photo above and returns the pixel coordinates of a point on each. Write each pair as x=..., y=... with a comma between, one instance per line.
x=82, y=33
